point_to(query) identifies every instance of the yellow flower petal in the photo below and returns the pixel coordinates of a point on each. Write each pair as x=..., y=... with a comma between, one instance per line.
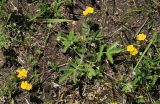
x=22, y=73
x=23, y=84
x=134, y=52
x=141, y=37
x=26, y=86
x=88, y=10
x=130, y=48
x=18, y=70
x=85, y=13
x=29, y=87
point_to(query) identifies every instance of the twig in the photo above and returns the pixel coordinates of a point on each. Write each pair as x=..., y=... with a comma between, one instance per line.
x=27, y=101
x=109, y=76
x=62, y=65
x=134, y=3
x=141, y=27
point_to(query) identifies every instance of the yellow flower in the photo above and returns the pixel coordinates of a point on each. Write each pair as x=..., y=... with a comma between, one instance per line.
x=132, y=50
x=88, y=10
x=85, y=13
x=26, y=86
x=141, y=37
x=22, y=73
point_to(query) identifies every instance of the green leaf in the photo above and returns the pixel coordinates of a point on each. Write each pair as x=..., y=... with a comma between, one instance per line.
x=127, y=87
x=150, y=22
x=100, y=53
x=57, y=20
x=4, y=41
x=71, y=36
x=91, y=73
x=115, y=50
x=67, y=45
x=85, y=29
x=153, y=79
x=110, y=58
x=69, y=40
x=113, y=45
x=64, y=76
x=112, y=49
x=74, y=76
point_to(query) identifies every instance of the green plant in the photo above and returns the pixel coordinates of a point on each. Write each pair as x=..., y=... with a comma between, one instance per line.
x=9, y=87
x=112, y=49
x=68, y=41
x=32, y=61
x=4, y=41
x=54, y=8
x=86, y=50
x=57, y=20
x=146, y=71
x=78, y=68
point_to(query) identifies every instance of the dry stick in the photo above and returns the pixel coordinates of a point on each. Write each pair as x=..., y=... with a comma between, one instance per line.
x=150, y=98
x=27, y=101
x=113, y=79
x=134, y=3
x=141, y=27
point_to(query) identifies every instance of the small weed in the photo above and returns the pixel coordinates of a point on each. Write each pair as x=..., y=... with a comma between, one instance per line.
x=86, y=61
x=4, y=41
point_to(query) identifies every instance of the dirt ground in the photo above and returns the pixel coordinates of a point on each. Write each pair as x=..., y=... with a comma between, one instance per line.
x=119, y=20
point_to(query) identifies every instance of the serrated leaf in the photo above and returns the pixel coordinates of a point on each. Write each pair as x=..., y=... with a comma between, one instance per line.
x=112, y=49
x=110, y=58
x=74, y=76
x=85, y=28
x=71, y=35
x=66, y=46
x=127, y=87
x=69, y=40
x=113, y=45
x=64, y=76
x=91, y=73
x=150, y=23
x=100, y=53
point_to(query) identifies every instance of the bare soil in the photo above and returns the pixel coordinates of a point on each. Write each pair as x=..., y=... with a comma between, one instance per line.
x=119, y=20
